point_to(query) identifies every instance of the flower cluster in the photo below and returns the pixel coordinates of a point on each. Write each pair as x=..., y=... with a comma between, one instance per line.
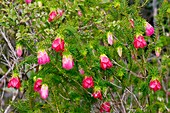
x=42, y=89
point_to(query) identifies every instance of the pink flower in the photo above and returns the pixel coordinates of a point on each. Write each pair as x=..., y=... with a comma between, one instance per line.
x=149, y=29
x=81, y=71
x=110, y=38
x=44, y=91
x=14, y=82
x=105, y=107
x=132, y=23
x=105, y=62
x=97, y=94
x=67, y=62
x=139, y=42
x=58, y=45
x=79, y=13
x=155, y=85
x=60, y=12
x=43, y=57
x=37, y=85
x=88, y=82
x=19, y=50
x=28, y=1
x=52, y=16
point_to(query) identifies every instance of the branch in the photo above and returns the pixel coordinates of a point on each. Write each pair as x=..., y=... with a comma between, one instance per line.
x=13, y=98
x=9, y=70
x=133, y=73
x=8, y=42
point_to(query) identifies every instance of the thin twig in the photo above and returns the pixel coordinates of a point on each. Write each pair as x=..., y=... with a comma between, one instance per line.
x=13, y=99
x=8, y=42
x=127, y=69
x=9, y=70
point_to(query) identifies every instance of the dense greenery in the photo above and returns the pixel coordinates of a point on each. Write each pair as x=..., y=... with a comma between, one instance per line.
x=125, y=85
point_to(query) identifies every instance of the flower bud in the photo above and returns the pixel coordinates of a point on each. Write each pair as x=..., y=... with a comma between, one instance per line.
x=88, y=82
x=44, y=91
x=105, y=107
x=105, y=62
x=139, y=42
x=157, y=51
x=119, y=51
x=132, y=23
x=43, y=57
x=58, y=45
x=149, y=30
x=19, y=50
x=79, y=13
x=81, y=71
x=60, y=12
x=155, y=85
x=67, y=62
x=39, y=4
x=110, y=38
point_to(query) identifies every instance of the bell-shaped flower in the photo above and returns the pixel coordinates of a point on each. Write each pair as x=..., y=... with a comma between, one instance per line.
x=155, y=85
x=14, y=82
x=37, y=85
x=58, y=45
x=139, y=42
x=52, y=16
x=105, y=107
x=43, y=57
x=105, y=62
x=44, y=91
x=149, y=30
x=67, y=62
x=88, y=82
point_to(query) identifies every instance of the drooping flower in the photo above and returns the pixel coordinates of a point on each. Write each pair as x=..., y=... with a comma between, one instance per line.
x=97, y=94
x=19, y=50
x=43, y=57
x=139, y=42
x=105, y=107
x=81, y=71
x=149, y=30
x=14, y=82
x=58, y=45
x=155, y=85
x=105, y=62
x=110, y=38
x=119, y=51
x=79, y=13
x=28, y=1
x=44, y=91
x=158, y=51
x=37, y=85
x=67, y=62
x=132, y=23
x=52, y=16
x=88, y=82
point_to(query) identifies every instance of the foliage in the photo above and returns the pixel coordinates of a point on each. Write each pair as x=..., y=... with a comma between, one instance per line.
x=125, y=85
